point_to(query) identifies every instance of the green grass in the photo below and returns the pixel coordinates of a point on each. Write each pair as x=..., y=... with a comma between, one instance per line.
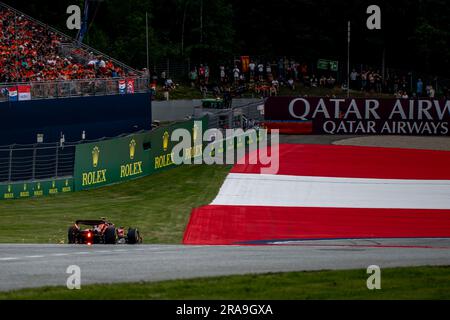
x=180, y=93
x=399, y=283
x=323, y=92
x=159, y=205
x=184, y=91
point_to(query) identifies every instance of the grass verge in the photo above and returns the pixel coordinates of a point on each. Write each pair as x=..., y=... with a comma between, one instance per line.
x=159, y=205
x=398, y=283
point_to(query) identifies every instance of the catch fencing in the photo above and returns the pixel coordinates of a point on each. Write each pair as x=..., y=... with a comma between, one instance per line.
x=36, y=162
x=245, y=117
x=74, y=88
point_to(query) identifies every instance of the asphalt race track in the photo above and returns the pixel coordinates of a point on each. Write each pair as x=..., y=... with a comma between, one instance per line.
x=26, y=266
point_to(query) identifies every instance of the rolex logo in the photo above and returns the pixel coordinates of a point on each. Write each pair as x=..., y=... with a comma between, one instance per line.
x=95, y=156
x=9, y=189
x=165, y=141
x=53, y=184
x=39, y=186
x=132, y=149
x=24, y=187
x=67, y=183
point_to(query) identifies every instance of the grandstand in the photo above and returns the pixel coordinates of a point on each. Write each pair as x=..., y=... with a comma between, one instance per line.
x=39, y=131
x=54, y=64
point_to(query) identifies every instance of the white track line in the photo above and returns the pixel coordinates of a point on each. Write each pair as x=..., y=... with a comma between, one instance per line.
x=302, y=191
x=80, y=253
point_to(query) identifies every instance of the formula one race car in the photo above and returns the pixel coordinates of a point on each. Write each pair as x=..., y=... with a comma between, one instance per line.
x=101, y=232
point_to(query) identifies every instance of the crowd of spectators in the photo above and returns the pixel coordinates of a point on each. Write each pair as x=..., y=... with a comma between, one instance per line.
x=262, y=77
x=397, y=84
x=266, y=78
x=31, y=52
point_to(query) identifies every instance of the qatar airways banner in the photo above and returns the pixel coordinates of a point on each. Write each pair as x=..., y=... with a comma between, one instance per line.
x=363, y=116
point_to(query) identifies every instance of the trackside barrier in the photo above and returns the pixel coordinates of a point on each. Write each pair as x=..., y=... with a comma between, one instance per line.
x=315, y=115
x=39, y=188
x=112, y=161
x=118, y=160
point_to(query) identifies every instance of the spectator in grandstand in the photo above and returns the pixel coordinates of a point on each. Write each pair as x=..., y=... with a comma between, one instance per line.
x=163, y=78
x=223, y=75
x=201, y=73
x=378, y=81
x=323, y=81
x=419, y=88
x=291, y=84
x=371, y=80
x=354, y=79
x=261, y=72
x=428, y=89
x=276, y=85
x=193, y=76
x=30, y=52
x=404, y=84
x=280, y=66
x=306, y=81
x=206, y=74
x=364, y=80
x=236, y=74
x=405, y=95
x=432, y=92
x=203, y=89
x=252, y=68
x=170, y=85
x=268, y=69
x=446, y=93
x=242, y=79
x=314, y=81
x=331, y=81
x=166, y=93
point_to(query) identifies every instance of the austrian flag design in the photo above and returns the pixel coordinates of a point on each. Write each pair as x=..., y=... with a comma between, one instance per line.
x=330, y=192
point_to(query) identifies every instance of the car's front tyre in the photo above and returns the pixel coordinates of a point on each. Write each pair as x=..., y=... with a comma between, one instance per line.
x=133, y=236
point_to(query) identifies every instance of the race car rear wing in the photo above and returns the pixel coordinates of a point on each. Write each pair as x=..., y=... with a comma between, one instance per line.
x=90, y=222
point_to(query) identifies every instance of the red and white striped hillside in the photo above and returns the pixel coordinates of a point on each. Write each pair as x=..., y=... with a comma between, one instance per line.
x=330, y=192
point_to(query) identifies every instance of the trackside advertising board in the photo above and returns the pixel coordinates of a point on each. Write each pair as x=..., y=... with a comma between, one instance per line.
x=236, y=146
x=162, y=146
x=110, y=161
x=39, y=188
x=122, y=159
x=363, y=116
x=116, y=160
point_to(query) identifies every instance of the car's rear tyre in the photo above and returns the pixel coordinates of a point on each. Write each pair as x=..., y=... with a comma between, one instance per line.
x=133, y=236
x=110, y=235
x=71, y=235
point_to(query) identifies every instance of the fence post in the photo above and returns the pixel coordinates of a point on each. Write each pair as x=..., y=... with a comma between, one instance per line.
x=34, y=163
x=57, y=160
x=10, y=164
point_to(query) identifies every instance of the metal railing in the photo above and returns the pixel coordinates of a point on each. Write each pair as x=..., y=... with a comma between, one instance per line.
x=36, y=162
x=244, y=117
x=74, y=88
